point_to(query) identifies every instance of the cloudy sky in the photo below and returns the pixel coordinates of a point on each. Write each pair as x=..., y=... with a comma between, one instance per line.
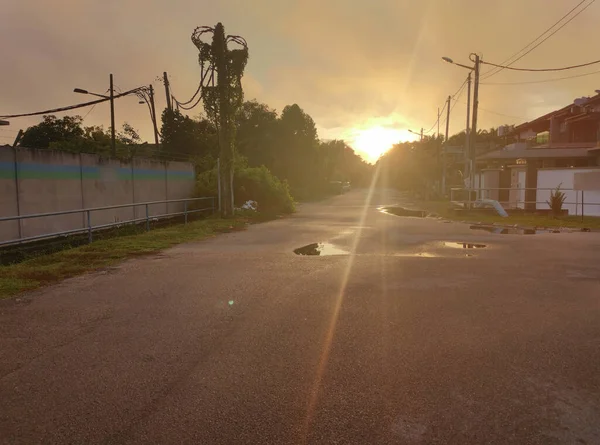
x=362, y=69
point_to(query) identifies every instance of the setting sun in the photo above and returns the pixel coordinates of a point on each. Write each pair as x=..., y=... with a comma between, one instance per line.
x=375, y=141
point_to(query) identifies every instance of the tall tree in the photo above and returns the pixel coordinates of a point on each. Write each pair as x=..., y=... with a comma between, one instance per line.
x=256, y=135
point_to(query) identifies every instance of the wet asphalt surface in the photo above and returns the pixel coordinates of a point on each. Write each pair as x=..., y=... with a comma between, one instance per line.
x=237, y=340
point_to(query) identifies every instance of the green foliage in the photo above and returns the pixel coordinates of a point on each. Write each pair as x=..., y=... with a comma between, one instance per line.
x=250, y=183
x=52, y=129
x=184, y=136
x=557, y=199
x=260, y=185
x=68, y=134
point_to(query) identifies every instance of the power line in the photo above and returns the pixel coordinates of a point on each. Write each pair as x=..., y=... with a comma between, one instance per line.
x=509, y=62
x=541, y=81
x=565, y=68
x=69, y=107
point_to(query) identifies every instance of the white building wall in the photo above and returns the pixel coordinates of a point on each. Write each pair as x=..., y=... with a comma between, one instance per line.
x=552, y=177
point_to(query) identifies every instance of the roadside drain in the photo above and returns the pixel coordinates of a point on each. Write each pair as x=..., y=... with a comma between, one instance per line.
x=320, y=249
x=401, y=211
x=464, y=245
x=512, y=231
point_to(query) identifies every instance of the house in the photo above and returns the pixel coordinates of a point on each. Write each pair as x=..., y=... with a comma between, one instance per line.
x=552, y=150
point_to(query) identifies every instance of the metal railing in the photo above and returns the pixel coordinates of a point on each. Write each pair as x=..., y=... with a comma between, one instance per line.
x=90, y=228
x=517, y=198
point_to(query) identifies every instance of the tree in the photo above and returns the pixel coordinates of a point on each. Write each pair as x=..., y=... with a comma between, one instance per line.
x=52, y=129
x=223, y=99
x=256, y=134
x=297, y=159
x=184, y=136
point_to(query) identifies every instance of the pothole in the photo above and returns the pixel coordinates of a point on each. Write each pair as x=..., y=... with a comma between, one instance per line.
x=455, y=245
x=401, y=211
x=513, y=230
x=320, y=249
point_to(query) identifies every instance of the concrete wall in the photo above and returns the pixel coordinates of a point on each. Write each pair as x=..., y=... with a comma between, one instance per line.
x=43, y=181
x=552, y=177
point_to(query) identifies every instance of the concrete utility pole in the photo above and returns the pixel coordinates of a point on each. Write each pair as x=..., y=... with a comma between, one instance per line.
x=467, y=132
x=474, y=126
x=444, y=161
x=113, y=144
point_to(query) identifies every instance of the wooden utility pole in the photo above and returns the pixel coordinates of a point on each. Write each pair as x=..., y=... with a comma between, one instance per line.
x=167, y=91
x=153, y=109
x=113, y=144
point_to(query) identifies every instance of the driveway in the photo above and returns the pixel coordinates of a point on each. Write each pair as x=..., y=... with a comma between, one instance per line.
x=408, y=338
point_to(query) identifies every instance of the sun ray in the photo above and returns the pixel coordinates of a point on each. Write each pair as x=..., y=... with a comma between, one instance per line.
x=327, y=343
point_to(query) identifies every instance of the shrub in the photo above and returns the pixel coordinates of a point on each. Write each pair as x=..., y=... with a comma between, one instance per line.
x=260, y=185
x=251, y=183
x=557, y=199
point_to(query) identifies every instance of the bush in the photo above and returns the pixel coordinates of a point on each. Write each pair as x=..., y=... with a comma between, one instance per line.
x=557, y=199
x=251, y=183
x=260, y=185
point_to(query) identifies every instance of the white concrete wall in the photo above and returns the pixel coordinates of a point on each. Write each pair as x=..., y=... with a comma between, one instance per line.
x=550, y=178
x=50, y=181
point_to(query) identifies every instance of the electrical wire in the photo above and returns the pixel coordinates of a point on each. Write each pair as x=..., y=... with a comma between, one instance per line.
x=67, y=108
x=510, y=60
x=541, y=81
x=564, y=68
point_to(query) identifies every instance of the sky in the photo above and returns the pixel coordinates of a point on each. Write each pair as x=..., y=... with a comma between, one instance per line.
x=366, y=71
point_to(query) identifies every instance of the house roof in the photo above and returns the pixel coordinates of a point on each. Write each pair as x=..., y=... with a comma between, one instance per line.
x=542, y=121
x=538, y=153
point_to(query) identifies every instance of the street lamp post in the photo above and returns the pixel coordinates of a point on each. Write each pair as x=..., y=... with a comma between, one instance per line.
x=418, y=134
x=471, y=144
x=146, y=93
x=111, y=97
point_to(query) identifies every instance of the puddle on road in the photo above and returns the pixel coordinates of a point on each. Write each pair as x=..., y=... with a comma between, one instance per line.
x=401, y=211
x=512, y=231
x=454, y=245
x=320, y=249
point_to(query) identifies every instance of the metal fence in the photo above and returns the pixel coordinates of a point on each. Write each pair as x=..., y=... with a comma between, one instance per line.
x=575, y=202
x=90, y=228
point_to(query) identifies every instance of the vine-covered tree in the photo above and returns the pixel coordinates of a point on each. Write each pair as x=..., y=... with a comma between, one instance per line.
x=221, y=83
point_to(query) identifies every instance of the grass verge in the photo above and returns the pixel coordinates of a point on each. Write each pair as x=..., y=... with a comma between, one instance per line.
x=49, y=269
x=445, y=210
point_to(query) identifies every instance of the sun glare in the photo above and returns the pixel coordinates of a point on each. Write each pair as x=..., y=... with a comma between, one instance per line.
x=375, y=141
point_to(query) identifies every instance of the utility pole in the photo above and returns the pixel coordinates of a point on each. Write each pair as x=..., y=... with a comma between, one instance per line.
x=474, y=126
x=113, y=144
x=151, y=94
x=438, y=123
x=445, y=146
x=467, y=134
x=421, y=133
x=167, y=91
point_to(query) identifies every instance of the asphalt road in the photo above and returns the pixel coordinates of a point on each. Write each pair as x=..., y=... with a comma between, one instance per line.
x=237, y=340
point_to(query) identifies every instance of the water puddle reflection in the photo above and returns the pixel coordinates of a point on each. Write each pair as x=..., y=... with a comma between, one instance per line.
x=454, y=245
x=320, y=249
x=512, y=231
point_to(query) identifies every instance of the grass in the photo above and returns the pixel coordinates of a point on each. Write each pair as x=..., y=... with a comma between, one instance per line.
x=445, y=210
x=52, y=268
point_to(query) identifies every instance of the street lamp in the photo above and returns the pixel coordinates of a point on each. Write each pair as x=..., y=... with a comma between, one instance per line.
x=470, y=152
x=145, y=94
x=113, y=144
x=418, y=134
